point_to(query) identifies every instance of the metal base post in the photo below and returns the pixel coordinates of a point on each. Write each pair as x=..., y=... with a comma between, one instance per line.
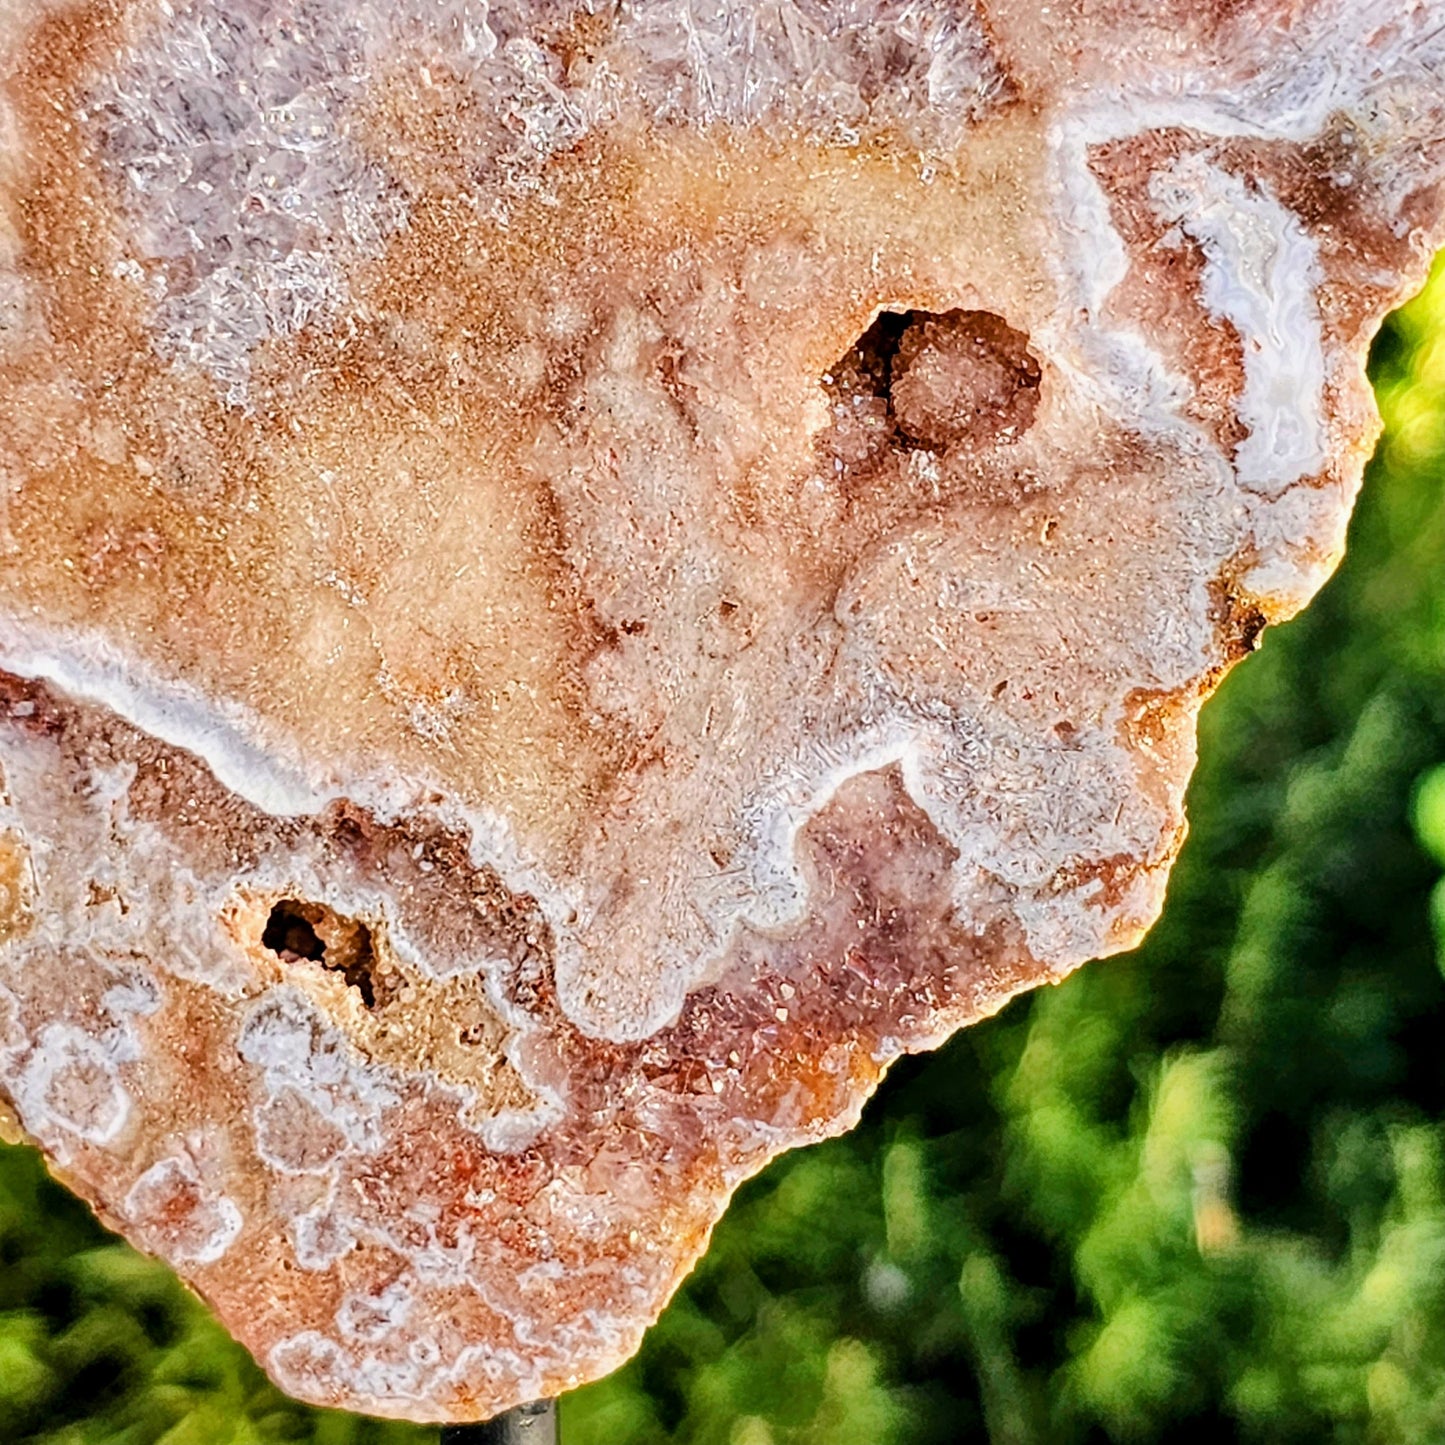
x=534, y=1424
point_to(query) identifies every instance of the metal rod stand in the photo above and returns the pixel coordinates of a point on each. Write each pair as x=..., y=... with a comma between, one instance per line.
x=534, y=1424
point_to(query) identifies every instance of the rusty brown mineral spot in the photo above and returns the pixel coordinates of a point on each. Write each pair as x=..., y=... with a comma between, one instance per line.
x=576, y=576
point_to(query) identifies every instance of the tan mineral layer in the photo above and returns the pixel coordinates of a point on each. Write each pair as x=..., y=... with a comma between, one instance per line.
x=576, y=576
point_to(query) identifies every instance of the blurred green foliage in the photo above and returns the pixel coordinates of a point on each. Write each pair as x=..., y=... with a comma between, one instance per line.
x=1193, y=1193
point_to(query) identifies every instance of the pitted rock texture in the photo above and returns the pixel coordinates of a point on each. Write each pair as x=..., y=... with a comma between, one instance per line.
x=575, y=578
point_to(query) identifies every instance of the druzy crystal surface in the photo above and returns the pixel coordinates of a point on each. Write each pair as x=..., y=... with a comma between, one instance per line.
x=576, y=576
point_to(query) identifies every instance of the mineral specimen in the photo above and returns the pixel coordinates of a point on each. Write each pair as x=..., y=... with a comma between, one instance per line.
x=578, y=575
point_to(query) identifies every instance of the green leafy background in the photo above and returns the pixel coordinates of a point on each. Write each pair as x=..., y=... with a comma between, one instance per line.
x=1197, y=1192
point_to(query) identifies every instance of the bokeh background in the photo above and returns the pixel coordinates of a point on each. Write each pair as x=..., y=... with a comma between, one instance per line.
x=1194, y=1193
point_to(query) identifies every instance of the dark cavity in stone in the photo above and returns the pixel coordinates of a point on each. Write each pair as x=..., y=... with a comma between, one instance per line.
x=930, y=380
x=301, y=932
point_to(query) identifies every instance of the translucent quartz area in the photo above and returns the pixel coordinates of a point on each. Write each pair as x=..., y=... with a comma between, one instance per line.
x=576, y=576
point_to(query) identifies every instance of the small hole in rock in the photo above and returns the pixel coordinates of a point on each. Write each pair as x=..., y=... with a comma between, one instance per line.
x=290, y=935
x=931, y=380
x=301, y=932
